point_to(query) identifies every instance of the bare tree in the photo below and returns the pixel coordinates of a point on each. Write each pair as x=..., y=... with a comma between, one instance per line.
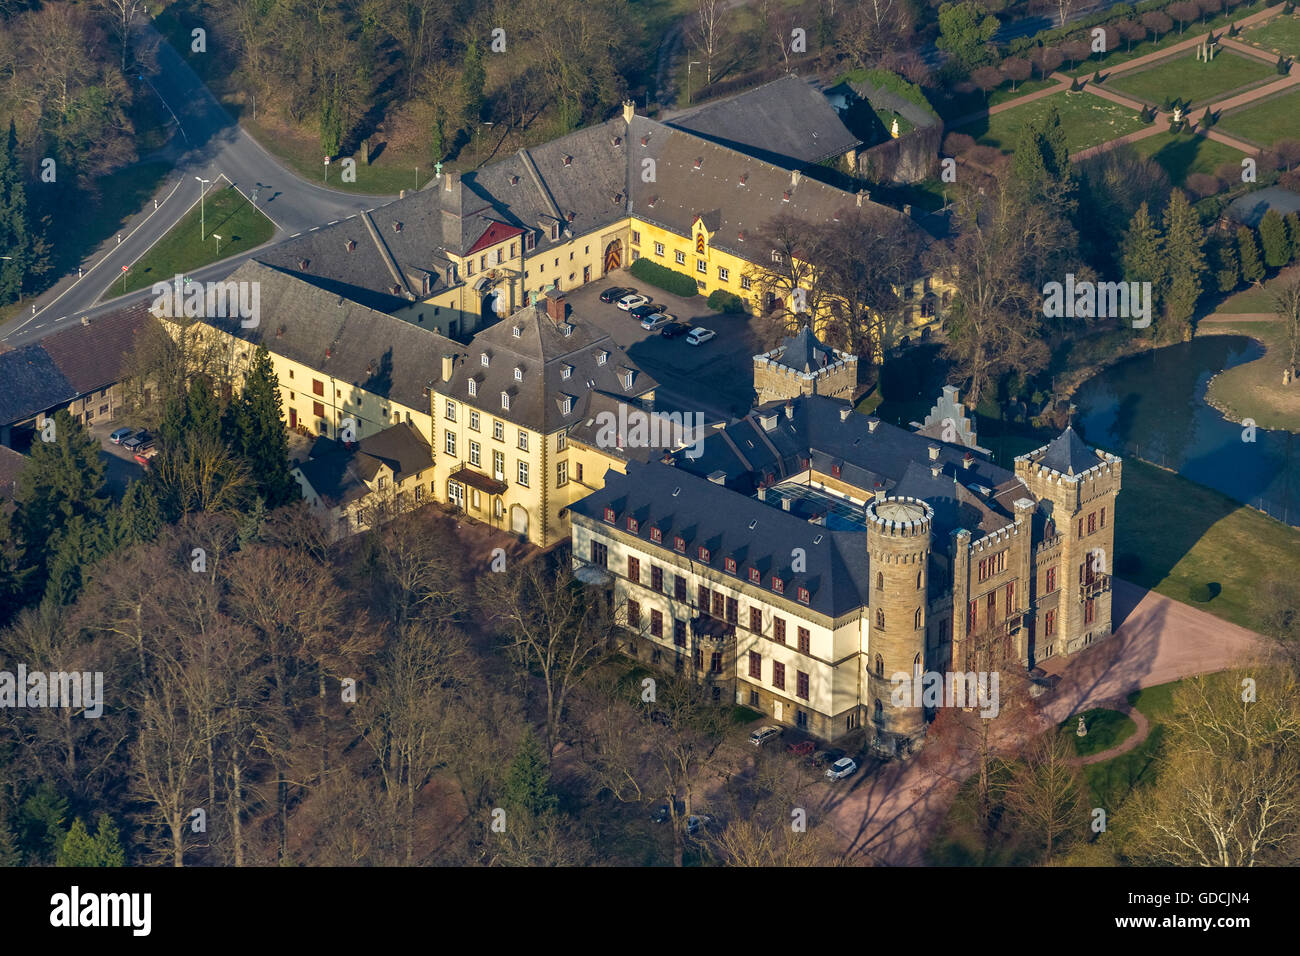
x=1045, y=792
x=121, y=14
x=1286, y=303
x=708, y=24
x=789, y=285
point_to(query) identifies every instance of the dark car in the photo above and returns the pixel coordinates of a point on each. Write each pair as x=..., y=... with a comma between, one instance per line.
x=137, y=442
x=614, y=293
x=641, y=311
x=674, y=329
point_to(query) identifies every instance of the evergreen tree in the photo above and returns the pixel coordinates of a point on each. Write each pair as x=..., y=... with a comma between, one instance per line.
x=1227, y=269
x=202, y=413
x=15, y=239
x=1293, y=234
x=1272, y=236
x=79, y=848
x=1143, y=251
x=1252, y=267
x=473, y=78
x=138, y=517
x=528, y=782
x=14, y=573
x=10, y=855
x=1041, y=162
x=1184, y=252
x=40, y=824
x=259, y=433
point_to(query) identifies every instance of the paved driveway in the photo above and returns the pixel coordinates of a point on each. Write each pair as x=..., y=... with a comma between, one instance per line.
x=889, y=818
x=716, y=378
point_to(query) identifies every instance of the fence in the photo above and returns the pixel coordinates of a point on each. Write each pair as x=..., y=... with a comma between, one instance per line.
x=1279, y=510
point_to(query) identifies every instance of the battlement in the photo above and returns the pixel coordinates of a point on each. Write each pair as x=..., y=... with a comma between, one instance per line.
x=1001, y=536
x=896, y=517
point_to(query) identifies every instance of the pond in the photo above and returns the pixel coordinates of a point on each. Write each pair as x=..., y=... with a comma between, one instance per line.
x=1153, y=406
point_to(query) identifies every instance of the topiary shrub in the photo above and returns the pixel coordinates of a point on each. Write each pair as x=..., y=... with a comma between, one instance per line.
x=1201, y=593
x=670, y=280
x=720, y=300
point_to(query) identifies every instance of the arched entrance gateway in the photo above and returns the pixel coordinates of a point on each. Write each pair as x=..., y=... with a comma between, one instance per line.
x=613, y=256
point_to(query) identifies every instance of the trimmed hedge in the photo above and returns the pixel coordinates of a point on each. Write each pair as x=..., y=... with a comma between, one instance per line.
x=720, y=300
x=670, y=280
x=892, y=82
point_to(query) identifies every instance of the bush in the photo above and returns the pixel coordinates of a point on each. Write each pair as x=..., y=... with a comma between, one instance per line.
x=1201, y=593
x=720, y=300
x=670, y=280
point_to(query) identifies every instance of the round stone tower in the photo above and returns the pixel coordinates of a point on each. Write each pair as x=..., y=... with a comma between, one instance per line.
x=898, y=546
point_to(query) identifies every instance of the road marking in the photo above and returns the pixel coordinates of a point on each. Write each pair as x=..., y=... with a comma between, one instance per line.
x=334, y=222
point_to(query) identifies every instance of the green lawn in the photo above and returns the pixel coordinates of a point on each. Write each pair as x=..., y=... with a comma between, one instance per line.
x=1280, y=35
x=1201, y=537
x=1106, y=729
x=1254, y=390
x=1087, y=120
x=226, y=213
x=1181, y=155
x=1004, y=94
x=121, y=195
x=1186, y=78
x=1267, y=121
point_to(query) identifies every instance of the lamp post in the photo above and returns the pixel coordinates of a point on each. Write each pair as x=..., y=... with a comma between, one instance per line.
x=688, y=80
x=218, y=238
x=203, y=191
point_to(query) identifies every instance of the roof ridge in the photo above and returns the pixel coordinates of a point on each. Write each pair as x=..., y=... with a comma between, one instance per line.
x=535, y=175
x=385, y=253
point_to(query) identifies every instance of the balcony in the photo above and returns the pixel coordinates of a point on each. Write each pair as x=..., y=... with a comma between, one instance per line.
x=1090, y=589
x=476, y=479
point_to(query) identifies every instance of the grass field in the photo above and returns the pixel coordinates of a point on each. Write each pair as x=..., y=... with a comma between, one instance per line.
x=1105, y=729
x=121, y=195
x=1087, y=120
x=1182, y=155
x=1254, y=390
x=1186, y=78
x=226, y=213
x=1280, y=35
x=1201, y=536
x=1267, y=121
x=1004, y=94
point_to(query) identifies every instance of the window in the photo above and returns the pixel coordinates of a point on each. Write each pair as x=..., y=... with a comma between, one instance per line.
x=755, y=576
x=992, y=601
x=776, y=256
x=745, y=282
x=451, y=410
x=679, y=587
x=1011, y=596
x=566, y=371
x=778, y=629
x=717, y=603
x=419, y=493
x=659, y=248
x=561, y=441
x=636, y=238
x=804, y=596
x=880, y=618
x=484, y=360
x=1092, y=522
x=523, y=440
x=994, y=564
x=681, y=258
x=778, y=585
x=499, y=431
x=801, y=685
x=699, y=658
x=1049, y=624
x=733, y=610
x=679, y=632
x=1089, y=611
x=701, y=266
x=451, y=443
x=1050, y=584
x=916, y=619
x=656, y=623
x=805, y=641
x=657, y=578
x=530, y=241
x=523, y=473
x=679, y=544
x=657, y=536
x=633, y=613
x=561, y=474
x=756, y=620
x=724, y=274
x=729, y=564
x=755, y=665
x=469, y=267
x=1103, y=517
x=880, y=666
x=599, y=554
x=920, y=576
x=318, y=409
x=499, y=465
x=704, y=555
x=473, y=421
x=577, y=476
x=634, y=570
x=778, y=675
x=715, y=663
x=702, y=597
x=970, y=617
x=317, y=387
x=505, y=400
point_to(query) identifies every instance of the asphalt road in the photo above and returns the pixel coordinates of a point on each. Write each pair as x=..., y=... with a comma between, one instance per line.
x=211, y=144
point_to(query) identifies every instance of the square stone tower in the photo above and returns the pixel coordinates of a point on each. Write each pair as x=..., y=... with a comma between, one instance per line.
x=803, y=365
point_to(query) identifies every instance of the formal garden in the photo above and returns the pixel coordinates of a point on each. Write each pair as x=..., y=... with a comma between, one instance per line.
x=1191, y=80
x=1087, y=120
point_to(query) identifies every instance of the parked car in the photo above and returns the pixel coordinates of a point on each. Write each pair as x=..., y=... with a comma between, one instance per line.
x=143, y=460
x=662, y=814
x=656, y=320
x=136, y=442
x=642, y=311
x=121, y=435
x=699, y=335
x=673, y=329
x=803, y=748
x=696, y=823
x=614, y=293
x=844, y=767
x=631, y=301
x=764, y=734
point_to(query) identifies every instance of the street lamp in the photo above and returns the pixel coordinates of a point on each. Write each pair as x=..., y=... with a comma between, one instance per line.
x=688, y=80
x=218, y=238
x=203, y=191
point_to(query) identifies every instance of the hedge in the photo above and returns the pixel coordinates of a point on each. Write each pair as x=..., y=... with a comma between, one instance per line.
x=720, y=300
x=670, y=280
x=885, y=80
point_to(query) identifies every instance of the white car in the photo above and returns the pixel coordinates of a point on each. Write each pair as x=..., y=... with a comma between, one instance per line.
x=764, y=734
x=844, y=767
x=657, y=321
x=699, y=335
x=629, y=302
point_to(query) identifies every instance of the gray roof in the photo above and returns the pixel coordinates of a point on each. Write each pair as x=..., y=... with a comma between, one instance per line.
x=541, y=352
x=804, y=352
x=32, y=383
x=374, y=351
x=755, y=534
x=338, y=473
x=1068, y=454
x=787, y=122
x=11, y=466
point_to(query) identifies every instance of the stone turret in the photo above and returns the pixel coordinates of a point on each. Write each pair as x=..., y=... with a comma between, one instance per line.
x=803, y=365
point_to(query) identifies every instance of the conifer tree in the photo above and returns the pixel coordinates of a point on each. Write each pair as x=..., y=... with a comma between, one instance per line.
x=1185, y=254
x=259, y=433
x=14, y=232
x=1143, y=250
x=1227, y=268
x=528, y=782
x=80, y=848
x=1272, y=236
x=1293, y=234
x=1252, y=267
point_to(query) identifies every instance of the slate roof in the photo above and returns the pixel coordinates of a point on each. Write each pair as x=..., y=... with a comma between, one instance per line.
x=91, y=356
x=804, y=352
x=886, y=459
x=1068, y=454
x=30, y=383
x=787, y=122
x=541, y=352
x=374, y=351
x=338, y=473
x=730, y=525
x=11, y=465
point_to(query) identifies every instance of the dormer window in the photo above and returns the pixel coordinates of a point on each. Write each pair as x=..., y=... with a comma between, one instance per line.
x=704, y=555
x=518, y=331
x=505, y=400
x=730, y=564
x=566, y=371
x=609, y=515
x=519, y=374
x=601, y=357
x=627, y=379
x=568, y=160
x=679, y=544
x=755, y=577
x=776, y=256
x=633, y=525
x=804, y=596
x=656, y=536
x=473, y=387
x=566, y=406
x=778, y=585
x=484, y=359
x=555, y=230
x=835, y=471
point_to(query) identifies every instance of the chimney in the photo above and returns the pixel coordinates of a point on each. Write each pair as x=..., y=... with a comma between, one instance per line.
x=762, y=494
x=936, y=470
x=879, y=493
x=860, y=198
x=907, y=209
x=845, y=413
x=718, y=477
x=795, y=176
x=789, y=409
x=785, y=504
x=967, y=460
x=450, y=180
x=934, y=452
x=555, y=306
x=872, y=426
x=767, y=421
x=629, y=111
x=448, y=363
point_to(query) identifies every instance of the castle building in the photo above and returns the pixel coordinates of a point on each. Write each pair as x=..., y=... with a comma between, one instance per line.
x=803, y=365
x=810, y=554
